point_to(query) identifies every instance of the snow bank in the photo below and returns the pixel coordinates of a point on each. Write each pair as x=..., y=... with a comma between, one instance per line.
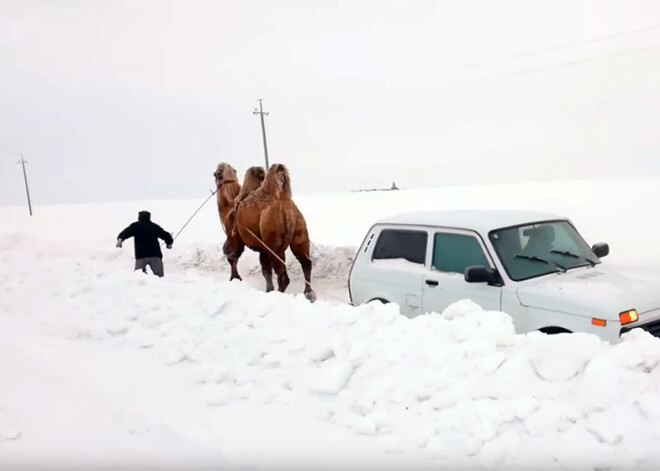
x=329, y=263
x=457, y=389
x=273, y=381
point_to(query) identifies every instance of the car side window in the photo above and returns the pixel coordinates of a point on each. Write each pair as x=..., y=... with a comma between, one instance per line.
x=397, y=243
x=453, y=253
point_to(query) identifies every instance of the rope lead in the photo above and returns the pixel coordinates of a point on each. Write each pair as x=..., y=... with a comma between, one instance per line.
x=190, y=218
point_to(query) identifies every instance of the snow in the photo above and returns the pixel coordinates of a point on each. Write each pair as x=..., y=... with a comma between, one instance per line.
x=100, y=365
x=399, y=264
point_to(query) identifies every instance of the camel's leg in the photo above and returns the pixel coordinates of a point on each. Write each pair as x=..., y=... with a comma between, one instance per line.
x=300, y=248
x=266, y=270
x=272, y=233
x=233, y=249
x=280, y=270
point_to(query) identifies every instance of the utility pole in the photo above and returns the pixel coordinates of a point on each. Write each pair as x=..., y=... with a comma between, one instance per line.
x=22, y=162
x=261, y=113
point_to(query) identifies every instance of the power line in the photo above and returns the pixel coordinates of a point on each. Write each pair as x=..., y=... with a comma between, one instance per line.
x=567, y=45
x=575, y=62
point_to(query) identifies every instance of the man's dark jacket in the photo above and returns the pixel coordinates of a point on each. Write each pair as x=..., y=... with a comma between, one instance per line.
x=146, y=235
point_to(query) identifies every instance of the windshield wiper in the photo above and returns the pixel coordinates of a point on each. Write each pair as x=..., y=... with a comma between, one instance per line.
x=534, y=258
x=574, y=255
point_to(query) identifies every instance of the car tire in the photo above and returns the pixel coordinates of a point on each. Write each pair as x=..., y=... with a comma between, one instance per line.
x=555, y=330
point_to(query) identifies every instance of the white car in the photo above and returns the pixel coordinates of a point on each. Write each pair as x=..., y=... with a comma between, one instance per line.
x=535, y=267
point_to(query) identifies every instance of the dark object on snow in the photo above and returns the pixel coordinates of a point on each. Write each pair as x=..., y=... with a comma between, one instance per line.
x=155, y=263
x=392, y=188
x=147, y=248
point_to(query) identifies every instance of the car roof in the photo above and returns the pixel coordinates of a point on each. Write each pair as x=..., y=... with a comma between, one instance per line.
x=482, y=221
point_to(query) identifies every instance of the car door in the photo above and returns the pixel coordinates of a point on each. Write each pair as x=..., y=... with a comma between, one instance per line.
x=397, y=268
x=451, y=252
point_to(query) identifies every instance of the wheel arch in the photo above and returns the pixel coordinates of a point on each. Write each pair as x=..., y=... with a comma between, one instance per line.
x=381, y=299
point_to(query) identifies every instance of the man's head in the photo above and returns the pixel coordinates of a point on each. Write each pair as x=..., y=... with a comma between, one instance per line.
x=545, y=233
x=540, y=239
x=144, y=216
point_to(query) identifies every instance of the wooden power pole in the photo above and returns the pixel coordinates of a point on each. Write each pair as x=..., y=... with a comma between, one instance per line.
x=261, y=113
x=22, y=162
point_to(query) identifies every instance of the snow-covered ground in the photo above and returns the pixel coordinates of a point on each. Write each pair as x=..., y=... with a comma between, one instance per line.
x=102, y=366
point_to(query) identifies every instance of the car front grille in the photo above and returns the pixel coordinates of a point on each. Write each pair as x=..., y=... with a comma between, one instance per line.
x=652, y=328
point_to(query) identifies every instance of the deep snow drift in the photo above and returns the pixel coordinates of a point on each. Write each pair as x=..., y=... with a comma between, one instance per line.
x=103, y=366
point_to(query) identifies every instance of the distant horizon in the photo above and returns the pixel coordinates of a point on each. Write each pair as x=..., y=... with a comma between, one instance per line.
x=322, y=193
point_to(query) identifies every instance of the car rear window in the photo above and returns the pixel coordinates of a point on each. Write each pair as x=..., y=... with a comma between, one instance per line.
x=406, y=244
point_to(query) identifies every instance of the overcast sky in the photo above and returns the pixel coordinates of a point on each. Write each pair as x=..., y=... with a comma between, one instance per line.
x=116, y=100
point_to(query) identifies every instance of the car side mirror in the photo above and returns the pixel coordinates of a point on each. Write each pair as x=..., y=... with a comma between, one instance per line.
x=601, y=249
x=481, y=274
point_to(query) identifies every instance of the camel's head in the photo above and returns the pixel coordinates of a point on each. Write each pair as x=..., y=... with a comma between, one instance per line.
x=224, y=173
x=278, y=174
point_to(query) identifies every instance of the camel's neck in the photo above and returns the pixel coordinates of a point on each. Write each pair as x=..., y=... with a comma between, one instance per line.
x=226, y=183
x=227, y=193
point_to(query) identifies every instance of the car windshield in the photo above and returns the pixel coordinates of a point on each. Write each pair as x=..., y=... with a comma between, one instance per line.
x=539, y=249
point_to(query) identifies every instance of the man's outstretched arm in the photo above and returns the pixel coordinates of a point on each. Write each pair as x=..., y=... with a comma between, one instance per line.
x=166, y=236
x=125, y=234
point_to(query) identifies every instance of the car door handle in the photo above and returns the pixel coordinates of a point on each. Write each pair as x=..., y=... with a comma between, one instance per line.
x=432, y=282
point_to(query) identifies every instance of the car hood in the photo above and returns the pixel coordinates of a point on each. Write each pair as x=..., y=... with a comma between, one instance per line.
x=599, y=291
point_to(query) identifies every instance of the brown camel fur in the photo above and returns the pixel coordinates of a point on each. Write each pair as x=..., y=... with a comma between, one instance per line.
x=254, y=177
x=269, y=222
x=228, y=188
